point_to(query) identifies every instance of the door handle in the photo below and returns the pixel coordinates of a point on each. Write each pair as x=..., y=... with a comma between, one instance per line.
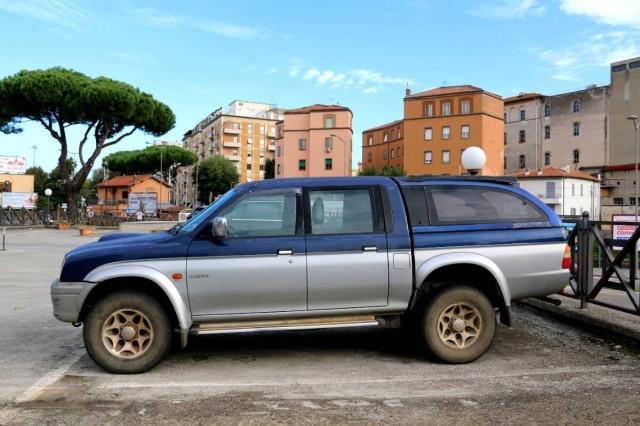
x=369, y=248
x=285, y=252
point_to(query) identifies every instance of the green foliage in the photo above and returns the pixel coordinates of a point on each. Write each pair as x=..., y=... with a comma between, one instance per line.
x=270, y=168
x=58, y=98
x=385, y=171
x=216, y=175
x=40, y=178
x=148, y=160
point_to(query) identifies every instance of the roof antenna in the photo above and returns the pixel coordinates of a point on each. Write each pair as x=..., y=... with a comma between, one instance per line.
x=407, y=90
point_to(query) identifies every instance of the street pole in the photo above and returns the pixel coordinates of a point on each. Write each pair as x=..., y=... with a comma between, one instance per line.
x=34, y=147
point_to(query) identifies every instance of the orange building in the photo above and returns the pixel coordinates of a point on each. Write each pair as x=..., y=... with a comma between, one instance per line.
x=438, y=125
x=113, y=194
x=314, y=141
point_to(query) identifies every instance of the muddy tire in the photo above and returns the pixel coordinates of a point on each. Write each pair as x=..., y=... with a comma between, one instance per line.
x=458, y=324
x=127, y=332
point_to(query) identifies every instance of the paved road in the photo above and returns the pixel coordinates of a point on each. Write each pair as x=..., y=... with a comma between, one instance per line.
x=539, y=371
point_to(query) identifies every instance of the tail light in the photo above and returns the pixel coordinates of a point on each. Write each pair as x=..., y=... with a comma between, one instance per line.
x=566, y=259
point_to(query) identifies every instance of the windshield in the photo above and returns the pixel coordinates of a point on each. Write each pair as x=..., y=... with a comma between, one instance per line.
x=200, y=217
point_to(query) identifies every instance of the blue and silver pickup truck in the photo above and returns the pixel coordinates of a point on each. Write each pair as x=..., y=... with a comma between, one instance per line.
x=444, y=255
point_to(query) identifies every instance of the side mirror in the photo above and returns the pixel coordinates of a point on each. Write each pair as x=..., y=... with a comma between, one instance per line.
x=219, y=228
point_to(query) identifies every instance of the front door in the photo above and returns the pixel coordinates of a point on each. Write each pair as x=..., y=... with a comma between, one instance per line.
x=260, y=267
x=346, y=248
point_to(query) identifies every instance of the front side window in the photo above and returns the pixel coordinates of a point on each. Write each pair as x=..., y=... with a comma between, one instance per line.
x=263, y=215
x=428, y=134
x=329, y=121
x=465, y=131
x=446, y=132
x=428, y=157
x=446, y=157
x=479, y=205
x=446, y=108
x=341, y=211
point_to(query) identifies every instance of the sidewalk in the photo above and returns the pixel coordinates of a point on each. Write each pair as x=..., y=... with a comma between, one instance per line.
x=594, y=317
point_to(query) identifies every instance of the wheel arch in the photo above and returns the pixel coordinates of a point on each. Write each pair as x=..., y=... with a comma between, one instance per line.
x=468, y=268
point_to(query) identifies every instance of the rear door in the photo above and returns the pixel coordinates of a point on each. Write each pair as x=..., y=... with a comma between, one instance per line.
x=347, y=261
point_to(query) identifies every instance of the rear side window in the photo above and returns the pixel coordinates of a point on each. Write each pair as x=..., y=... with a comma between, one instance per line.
x=416, y=205
x=342, y=211
x=465, y=205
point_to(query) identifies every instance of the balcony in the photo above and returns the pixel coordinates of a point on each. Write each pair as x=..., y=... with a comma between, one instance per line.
x=232, y=157
x=232, y=131
x=231, y=144
x=272, y=147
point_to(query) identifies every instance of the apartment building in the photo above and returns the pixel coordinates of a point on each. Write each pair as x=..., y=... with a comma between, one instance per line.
x=314, y=140
x=438, y=125
x=244, y=133
x=563, y=130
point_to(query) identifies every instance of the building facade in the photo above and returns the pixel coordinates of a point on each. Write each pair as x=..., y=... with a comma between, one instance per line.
x=113, y=194
x=566, y=191
x=564, y=130
x=438, y=125
x=243, y=133
x=315, y=140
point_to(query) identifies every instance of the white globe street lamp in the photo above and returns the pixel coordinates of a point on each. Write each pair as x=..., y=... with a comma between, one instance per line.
x=47, y=193
x=474, y=159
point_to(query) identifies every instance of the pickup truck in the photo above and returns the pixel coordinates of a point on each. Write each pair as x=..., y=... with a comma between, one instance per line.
x=444, y=255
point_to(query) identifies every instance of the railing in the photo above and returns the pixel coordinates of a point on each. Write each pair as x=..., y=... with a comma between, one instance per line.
x=618, y=270
x=23, y=217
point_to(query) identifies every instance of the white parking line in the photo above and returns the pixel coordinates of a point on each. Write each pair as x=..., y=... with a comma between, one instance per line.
x=48, y=379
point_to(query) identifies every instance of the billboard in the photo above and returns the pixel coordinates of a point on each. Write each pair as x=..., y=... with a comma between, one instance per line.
x=19, y=200
x=13, y=165
x=623, y=232
x=144, y=201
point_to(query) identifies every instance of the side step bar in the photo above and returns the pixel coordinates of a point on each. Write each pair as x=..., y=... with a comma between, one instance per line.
x=287, y=324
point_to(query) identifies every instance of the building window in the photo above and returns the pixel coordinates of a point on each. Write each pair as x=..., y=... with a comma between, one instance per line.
x=370, y=140
x=576, y=129
x=446, y=132
x=385, y=138
x=302, y=144
x=547, y=132
x=329, y=121
x=279, y=151
x=446, y=108
x=369, y=157
x=278, y=169
x=547, y=158
x=550, y=190
x=522, y=161
x=573, y=189
x=581, y=190
x=250, y=128
x=547, y=111
x=505, y=138
x=302, y=164
x=399, y=132
x=428, y=134
x=393, y=153
x=465, y=131
x=504, y=162
x=125, y=195
x=522, y=138
x=505, y=117
x=576, y=155
x=328, y=144
x=428, y=157
x=398, y=152
x=328, y=163
x=446, y=157
x=576, y=105
x=618, y=201
x=428, y=109
x=248, y=166
x=523, y=114
x=384, y=154
x=465, y=106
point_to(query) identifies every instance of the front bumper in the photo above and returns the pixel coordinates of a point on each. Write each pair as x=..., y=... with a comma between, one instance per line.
x=64, y=297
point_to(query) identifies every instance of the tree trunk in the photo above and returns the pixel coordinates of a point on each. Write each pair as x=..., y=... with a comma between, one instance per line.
x=72, y=214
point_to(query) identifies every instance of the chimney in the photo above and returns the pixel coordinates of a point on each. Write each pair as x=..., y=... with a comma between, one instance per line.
x=407, y=91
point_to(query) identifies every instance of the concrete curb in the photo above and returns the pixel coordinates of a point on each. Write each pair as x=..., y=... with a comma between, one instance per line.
x=594, y=317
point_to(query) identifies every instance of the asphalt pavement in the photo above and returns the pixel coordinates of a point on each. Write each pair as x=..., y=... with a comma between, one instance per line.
x=540, y=371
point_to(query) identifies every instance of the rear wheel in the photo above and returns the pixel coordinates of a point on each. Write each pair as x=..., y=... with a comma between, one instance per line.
x=458, y=324
x=127, y=332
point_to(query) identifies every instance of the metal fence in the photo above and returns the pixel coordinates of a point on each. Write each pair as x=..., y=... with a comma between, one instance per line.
x=599, y=263
x=23, y=217
x=34, y=217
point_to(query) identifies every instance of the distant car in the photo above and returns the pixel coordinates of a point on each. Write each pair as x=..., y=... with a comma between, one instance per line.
x=441, y=254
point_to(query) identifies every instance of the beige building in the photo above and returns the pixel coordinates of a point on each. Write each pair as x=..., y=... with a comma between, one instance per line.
x=243, y=133
x=314, y=141
x=564, y=130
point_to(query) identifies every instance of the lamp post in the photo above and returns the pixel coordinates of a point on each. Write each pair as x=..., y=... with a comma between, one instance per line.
x=47, y=193
x=636, y=127
x=473, y=159
x=346, y=145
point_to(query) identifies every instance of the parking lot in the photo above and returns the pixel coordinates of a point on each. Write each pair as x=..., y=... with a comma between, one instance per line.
x=538, y=371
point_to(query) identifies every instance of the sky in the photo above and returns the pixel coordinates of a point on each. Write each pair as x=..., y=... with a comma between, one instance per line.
x=196, y=56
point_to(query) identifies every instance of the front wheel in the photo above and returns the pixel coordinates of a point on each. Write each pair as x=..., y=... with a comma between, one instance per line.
x=127, y=332
x=458, y=324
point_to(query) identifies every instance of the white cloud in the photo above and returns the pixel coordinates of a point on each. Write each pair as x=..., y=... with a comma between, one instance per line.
x=272, y=71
x=363, y=80
x=65, y=13
x=154, y=18
x=509, y=9
x=598, y=50
x=611, y=12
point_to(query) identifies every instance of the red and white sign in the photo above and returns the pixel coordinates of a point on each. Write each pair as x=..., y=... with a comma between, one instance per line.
x=13, y=165
x=623, y=232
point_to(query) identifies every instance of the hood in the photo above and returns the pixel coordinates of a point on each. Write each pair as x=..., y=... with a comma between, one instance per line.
x=121, y=248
